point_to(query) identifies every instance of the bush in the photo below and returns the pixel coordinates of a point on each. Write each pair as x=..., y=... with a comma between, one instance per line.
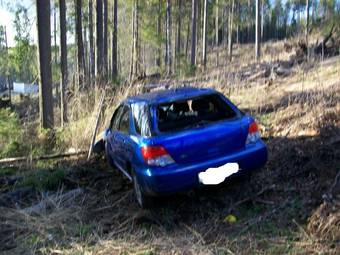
x=11, y=134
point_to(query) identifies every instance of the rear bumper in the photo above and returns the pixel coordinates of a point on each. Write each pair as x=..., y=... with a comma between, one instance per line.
x=178, y=178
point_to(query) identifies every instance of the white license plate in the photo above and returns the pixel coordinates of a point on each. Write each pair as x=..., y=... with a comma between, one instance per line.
x=213, y=176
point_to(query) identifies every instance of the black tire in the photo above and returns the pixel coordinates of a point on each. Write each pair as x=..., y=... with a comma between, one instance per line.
x=143, y=200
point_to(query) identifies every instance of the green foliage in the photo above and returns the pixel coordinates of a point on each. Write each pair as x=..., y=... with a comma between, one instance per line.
x=11, y=134
x=21, y=61
x=84, y=230
x=23, y=64
x=7, y=171
x=44, y=179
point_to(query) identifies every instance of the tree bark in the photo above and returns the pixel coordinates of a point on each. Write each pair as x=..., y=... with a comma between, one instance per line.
x=86, y=55
x=55, y=46
x=204, y=39
x=216, y=31
x=99, y=38
x=105, y=38
x=63, y=61
x=193, y=32
x=179, y=39
x=44, y=45
x=262, y=21
x=92, y=64
x=249, y=25
x=114, y=39
x=230, y=30
x=168, y=53
x=258, y=31
x=80, y=44
x=159, y=32
x=307, y=27
x=135, y=48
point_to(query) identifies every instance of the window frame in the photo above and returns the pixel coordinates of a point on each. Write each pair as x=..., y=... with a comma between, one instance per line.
x=115, y=116
x=125, y=106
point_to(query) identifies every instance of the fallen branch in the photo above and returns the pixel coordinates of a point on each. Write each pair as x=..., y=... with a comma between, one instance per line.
x=44, y=157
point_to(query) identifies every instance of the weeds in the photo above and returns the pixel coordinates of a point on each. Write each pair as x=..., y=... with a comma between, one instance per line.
x=44, y=179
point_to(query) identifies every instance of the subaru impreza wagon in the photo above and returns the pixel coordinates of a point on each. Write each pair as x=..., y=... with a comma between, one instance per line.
x=175, y=140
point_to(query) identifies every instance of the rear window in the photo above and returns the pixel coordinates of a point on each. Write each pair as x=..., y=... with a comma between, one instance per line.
x=189, y=113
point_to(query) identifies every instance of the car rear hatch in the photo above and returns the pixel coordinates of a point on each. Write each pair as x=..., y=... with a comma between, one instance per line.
x=206, y=142
x=194, y=134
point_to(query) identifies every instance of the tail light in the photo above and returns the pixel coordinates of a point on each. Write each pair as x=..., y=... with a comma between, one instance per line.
x=156, y=156
x=253, y=133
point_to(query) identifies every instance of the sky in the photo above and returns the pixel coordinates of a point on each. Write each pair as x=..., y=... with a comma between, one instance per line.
x=6, y=19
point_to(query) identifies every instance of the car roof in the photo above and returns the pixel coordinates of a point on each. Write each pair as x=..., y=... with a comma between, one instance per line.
x=162, y=96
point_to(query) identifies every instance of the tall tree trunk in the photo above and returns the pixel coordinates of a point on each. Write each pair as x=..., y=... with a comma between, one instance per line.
x=63, y=61
x=307, y=27
x=135, y=47
x=8, y=79
x=230, y=30
x=105, y=38
x=55, y=44
x=86, y=64
x=80, y=44
x=187, y=40
x=159, y=32
x=262, y=21
x=204, y=39
x=216, y=31
x=193, y=32
x=168, y=54
x=99, y=38
x=178, y=42
x=237, y=9
x=44, y=45
x=114, y=39
x=258, y=31
x=55, y=33
x=92, y=65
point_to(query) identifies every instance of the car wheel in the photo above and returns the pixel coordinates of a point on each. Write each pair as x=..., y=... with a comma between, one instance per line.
x=143, y=200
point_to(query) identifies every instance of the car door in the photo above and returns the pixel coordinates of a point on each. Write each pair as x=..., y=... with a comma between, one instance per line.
x=122, y=139
x=113, y=146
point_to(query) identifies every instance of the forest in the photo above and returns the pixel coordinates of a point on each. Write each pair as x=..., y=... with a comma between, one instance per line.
x=66, y=65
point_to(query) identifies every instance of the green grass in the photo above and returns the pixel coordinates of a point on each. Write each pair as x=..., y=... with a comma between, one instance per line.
x=7, y=171
x=44, y=179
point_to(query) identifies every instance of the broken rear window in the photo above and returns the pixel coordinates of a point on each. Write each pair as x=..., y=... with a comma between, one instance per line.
x=183, y=114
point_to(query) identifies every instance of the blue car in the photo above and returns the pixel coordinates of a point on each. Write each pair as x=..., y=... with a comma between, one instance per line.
x=175, y=140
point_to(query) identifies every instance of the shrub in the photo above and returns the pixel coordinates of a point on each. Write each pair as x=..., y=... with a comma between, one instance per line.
x=11, y=134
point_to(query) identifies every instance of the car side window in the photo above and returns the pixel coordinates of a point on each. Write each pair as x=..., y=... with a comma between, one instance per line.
x=124, y=124
x=115, y=118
